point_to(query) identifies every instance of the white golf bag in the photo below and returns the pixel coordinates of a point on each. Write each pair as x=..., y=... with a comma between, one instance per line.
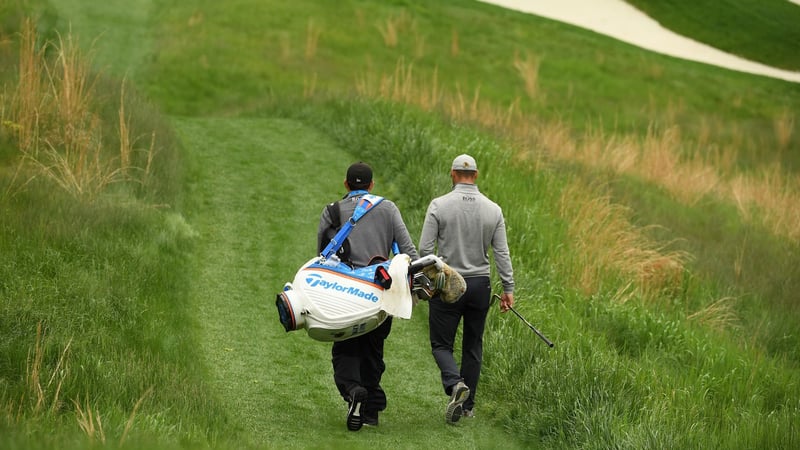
x=334, y=302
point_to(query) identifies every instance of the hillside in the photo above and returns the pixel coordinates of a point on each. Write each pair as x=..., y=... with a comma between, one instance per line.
x=651, y=205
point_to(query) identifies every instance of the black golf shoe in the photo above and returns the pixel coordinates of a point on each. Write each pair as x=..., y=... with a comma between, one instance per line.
x=370, y=420
x=354, y=417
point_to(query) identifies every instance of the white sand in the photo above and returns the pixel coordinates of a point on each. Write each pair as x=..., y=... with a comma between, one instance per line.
x=619, y=20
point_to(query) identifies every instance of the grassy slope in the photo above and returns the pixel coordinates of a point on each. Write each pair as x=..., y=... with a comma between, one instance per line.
x=664, y=81
x=258, y=50
x=100, y=24
x=711, y=22
x=604, y=385
x=234, y=89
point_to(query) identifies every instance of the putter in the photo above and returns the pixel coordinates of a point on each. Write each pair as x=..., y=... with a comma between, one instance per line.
x=546, y=341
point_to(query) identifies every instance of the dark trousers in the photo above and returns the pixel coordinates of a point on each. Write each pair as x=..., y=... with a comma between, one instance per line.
x=443, y=322
x=359, y=362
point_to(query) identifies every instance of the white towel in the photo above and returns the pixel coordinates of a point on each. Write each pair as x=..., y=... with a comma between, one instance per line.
x=397, y=299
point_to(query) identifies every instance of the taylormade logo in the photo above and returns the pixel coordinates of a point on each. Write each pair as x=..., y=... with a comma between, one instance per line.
x=316, y=280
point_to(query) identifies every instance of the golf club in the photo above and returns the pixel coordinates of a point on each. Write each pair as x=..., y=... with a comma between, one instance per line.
x=547, y=341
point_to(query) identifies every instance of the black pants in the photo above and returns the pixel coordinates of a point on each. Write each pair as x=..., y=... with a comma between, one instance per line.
x=443, y=322
x=359, y=362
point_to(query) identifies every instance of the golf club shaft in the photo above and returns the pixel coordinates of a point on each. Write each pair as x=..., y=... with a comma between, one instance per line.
x=547, y=341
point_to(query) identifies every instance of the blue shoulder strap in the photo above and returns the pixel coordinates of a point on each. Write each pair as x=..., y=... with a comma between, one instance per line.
x=365, y=204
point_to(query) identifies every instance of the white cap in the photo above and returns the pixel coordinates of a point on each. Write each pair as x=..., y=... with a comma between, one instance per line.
x=465, y=162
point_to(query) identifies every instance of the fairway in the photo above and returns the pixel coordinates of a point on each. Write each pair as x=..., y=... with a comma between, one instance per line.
x=257, y=187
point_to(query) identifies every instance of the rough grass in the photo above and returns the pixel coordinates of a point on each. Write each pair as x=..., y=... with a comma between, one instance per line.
x=157, y=324
x=619, y=360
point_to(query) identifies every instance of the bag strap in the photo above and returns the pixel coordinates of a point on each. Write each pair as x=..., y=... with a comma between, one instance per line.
x=364, y=205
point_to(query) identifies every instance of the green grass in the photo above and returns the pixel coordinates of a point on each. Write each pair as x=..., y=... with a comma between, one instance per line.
x=272, y=381
x=739, y=27
x=102, y=283
x=585, y=79
x=613, y=364
x=161, y=297
x=739, y=259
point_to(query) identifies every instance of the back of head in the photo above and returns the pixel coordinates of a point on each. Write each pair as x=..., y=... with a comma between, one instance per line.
x=359, y=175
x=464, y=169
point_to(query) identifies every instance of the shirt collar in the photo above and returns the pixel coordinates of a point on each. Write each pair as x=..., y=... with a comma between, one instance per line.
x=471, y=187
x=356, y=193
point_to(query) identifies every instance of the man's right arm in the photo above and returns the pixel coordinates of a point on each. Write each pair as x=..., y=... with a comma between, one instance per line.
x=402, y=237
x=324, y=224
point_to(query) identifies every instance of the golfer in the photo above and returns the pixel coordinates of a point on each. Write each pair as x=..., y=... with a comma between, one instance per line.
x=461, y=226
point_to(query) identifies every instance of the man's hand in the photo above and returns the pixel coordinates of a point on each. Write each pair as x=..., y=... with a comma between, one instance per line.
x=506, y=301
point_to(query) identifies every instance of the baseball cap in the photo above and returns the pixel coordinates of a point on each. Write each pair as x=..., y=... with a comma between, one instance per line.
x=465, y=162
x=359, y=174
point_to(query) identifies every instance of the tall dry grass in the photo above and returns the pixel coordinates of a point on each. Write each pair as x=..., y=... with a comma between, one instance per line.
x=130, y=421
x=688, y=170
x=769, y=196
x=607, y=243
x=656, y=157
x=59, y=135
x=528, y=70
x=403, y=86
x=89, y=421
x=31, y=88
x=391, y=28
x=312, y=40
x=43, y=383
x=455, y=47
x=718, y=315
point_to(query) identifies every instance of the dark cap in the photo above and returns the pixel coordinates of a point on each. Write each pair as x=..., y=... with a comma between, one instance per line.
x=359, y=175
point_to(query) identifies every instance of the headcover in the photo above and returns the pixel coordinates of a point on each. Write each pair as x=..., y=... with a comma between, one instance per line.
x=449, y=283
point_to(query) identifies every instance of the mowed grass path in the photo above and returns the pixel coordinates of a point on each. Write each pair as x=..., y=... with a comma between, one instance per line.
x=255, y=190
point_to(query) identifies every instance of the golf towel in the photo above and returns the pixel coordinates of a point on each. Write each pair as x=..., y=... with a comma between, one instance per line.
x=397, y=299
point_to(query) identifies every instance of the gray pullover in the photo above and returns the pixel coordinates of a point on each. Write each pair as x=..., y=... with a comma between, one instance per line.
x=463, y=224
x=373, y=234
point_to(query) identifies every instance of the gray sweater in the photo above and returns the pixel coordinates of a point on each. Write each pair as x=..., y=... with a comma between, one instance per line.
x=463, y=224
x=373, y=234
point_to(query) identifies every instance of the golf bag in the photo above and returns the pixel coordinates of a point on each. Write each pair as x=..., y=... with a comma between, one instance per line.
x=334, y=302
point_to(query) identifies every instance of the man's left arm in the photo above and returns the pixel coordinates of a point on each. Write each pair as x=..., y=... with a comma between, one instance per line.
x=502, y=256
x=402, y=236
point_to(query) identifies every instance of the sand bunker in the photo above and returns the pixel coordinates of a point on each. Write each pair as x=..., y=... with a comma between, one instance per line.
x=619, y=20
